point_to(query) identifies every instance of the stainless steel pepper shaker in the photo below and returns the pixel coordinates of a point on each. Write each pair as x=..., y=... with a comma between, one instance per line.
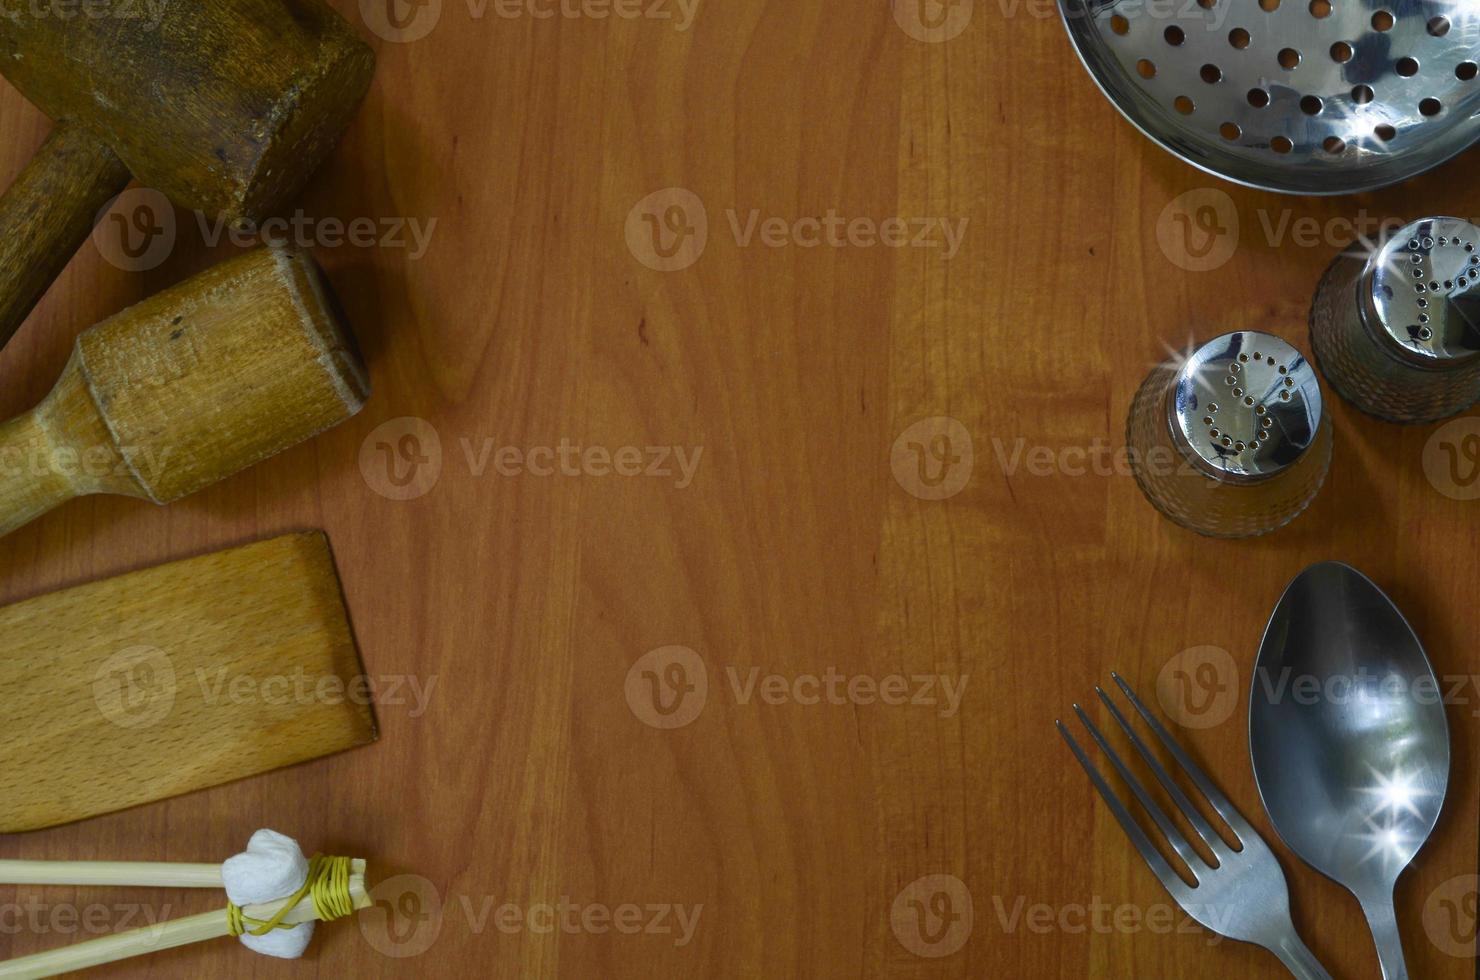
x=1232, y=440
x=1397, y=331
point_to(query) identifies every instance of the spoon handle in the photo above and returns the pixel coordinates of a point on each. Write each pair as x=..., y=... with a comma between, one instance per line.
x=1382, y=917
x=1298, y=959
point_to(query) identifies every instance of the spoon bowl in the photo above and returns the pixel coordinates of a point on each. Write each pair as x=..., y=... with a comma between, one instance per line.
x=1349, y=740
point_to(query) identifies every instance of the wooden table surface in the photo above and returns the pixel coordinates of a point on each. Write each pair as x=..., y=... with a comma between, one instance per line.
x=693, y=657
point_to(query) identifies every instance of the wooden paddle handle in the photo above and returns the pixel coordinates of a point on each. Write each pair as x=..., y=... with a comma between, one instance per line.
x=48, y=213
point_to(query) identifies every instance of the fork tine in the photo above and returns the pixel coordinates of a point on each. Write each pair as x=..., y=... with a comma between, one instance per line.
x=1235, y=820
x=1170, y=879
x=1194, y=816
x=1173, y=836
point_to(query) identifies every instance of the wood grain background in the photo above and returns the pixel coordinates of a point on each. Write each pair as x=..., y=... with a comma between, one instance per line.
x=531, y=776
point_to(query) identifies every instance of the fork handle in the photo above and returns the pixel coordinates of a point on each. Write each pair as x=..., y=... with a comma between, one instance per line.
x=1298, y=959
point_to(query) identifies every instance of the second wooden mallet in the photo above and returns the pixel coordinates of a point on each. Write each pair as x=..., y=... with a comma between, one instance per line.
x=187, y=388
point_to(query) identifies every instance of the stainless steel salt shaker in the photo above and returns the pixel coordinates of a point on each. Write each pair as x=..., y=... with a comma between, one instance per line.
x=1233, y=439
x=1396, y=330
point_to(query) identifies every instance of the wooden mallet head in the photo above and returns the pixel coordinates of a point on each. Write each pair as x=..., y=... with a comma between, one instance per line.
x=186, y=389
x=225, y=106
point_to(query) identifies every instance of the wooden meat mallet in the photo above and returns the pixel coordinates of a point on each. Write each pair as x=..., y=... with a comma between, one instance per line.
x=225, y=106
x=187, y=388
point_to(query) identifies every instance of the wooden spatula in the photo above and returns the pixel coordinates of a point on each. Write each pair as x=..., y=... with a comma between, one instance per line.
x=174, y=679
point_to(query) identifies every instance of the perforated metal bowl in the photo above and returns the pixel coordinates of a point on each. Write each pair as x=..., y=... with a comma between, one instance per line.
x=1298, y=96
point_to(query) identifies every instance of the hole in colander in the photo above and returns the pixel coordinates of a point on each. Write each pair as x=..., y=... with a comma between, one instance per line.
x=1239, y=38
x=1231, y=131
x=1341, y=52
x=1207, y=4
x=1320, y=9
x=1312, y=105
x=1431, y=107
x=1175, y=35
x=1382, y=21
x=1258, y=98
x=1439, y=26
x=1407, y=67
x=1386, y=133
x=1466, y=71
x=1146, y=69
x=1363, y=94
x=1120, y=25
x=1211, y=74
x=1281, y=144
x=1289, y=58
x=1185, y=105
x=1334, y=145
x=1269, y=6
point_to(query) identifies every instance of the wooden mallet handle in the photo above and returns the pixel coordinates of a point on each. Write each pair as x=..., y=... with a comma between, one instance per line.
x=47, y=215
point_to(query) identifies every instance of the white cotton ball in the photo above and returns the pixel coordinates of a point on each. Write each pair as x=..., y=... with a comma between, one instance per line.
x=287, y=944
x=272, y=867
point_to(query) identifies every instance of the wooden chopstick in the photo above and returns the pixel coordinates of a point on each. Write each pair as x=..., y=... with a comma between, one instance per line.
x=118, y=874
x=165, y=935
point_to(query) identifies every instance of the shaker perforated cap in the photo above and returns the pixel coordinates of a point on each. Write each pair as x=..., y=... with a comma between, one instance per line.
x=1421, y=293
x=1245, y=406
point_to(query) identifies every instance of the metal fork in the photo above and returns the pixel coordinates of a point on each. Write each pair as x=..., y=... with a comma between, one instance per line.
x=1243, y=896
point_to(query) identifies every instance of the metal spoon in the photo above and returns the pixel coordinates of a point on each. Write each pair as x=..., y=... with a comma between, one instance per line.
x=1349, y=740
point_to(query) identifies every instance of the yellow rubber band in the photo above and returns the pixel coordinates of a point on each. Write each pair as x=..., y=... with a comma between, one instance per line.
x=327, y=884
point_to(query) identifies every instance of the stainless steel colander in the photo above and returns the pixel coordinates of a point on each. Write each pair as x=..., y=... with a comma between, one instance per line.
x=1299, y=96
